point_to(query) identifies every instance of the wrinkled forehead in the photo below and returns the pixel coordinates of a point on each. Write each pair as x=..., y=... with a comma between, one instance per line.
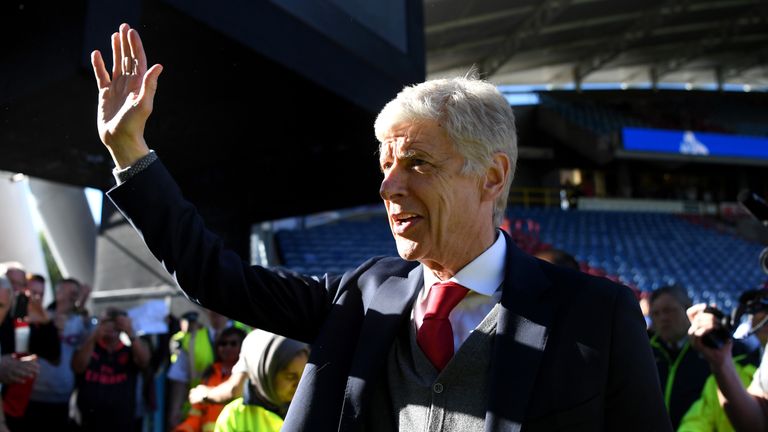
x=396, y=147
x=408, y=138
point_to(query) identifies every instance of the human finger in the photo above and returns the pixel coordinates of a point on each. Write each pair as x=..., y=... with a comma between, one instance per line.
x=99, y=70
x=24, y=368
x=117, y=54
x=117, y=62
x=196, y=394
x=125, y=49
x=149, y=87
x=29, y=358
x=694, y=310
x=137, y=51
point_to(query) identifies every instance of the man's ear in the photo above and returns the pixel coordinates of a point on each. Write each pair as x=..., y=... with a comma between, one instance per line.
x=496, y=176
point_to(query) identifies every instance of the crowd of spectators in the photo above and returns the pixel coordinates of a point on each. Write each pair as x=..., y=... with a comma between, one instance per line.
x=66, y=370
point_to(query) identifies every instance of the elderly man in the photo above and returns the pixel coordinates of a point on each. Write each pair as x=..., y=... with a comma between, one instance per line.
x=462, y=331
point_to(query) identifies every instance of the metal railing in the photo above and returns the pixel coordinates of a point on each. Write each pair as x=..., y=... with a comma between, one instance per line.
x=534, y=197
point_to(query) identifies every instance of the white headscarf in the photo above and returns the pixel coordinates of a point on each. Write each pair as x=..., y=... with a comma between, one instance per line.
x=265, y=354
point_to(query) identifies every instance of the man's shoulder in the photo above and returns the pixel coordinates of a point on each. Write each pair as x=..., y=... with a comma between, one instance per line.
x=570, y=283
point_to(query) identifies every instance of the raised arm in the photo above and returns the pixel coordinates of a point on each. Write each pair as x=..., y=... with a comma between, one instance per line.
x=223, y=393
x=743, y=407
x=139, y=349
x=125, y=97
x=209, y=274
x=83, y=353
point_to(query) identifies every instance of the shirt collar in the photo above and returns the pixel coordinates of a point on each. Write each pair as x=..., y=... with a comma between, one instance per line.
x=483, y=275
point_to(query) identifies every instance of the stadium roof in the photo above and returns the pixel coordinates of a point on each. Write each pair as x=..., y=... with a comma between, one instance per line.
x=564, y=43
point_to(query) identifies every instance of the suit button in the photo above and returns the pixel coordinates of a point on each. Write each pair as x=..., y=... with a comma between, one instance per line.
x=437, y=388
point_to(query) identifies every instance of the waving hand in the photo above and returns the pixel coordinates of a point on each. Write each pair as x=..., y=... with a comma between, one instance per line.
x=126, y=97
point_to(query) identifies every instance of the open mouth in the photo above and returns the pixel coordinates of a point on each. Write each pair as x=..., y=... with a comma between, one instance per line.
x=402, y=222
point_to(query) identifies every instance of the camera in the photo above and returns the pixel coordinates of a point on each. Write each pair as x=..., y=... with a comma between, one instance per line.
x=750, y=302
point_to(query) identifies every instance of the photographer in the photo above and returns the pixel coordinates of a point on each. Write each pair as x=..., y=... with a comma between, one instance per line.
x=107, y=365
x=747, y=409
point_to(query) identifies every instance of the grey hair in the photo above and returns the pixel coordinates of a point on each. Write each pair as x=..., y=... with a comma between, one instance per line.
x=11, y=265
x=475, y=115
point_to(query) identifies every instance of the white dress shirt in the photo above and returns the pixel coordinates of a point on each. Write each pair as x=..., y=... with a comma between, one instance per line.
x=483, y=277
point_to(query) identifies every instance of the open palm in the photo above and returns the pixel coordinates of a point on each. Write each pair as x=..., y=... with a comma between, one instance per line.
x=126, y=97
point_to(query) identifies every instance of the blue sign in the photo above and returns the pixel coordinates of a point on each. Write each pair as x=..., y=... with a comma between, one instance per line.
x=691, y=143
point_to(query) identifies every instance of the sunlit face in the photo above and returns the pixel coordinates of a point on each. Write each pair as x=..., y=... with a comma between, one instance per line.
x=287, y=380
x=669, y=318
x=437, y=214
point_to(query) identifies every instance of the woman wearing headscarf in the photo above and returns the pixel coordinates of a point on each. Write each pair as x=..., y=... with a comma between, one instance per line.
x=274, y=365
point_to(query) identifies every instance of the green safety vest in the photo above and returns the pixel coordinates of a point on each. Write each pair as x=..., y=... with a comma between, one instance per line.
x=237, y=416
x=203, y=354
x=706, y=414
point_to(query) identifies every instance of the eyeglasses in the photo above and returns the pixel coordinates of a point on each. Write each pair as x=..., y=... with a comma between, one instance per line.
x=231, y=343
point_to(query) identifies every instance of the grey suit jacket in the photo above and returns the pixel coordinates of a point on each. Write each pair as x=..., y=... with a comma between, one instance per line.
x=570, y=353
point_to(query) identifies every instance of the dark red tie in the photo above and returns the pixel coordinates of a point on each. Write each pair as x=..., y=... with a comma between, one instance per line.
x=435, y=336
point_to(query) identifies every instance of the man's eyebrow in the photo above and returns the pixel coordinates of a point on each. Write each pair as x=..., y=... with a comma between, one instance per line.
x=412, y=153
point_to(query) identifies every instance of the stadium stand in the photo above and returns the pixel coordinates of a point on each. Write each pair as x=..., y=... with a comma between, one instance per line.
x=644, y=250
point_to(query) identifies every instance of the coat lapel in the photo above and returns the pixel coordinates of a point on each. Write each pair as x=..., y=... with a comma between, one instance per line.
x=521, y=336
x=388, y=309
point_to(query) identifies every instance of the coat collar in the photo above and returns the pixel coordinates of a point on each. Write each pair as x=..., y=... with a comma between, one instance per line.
x=521, y=336
x=388, y=310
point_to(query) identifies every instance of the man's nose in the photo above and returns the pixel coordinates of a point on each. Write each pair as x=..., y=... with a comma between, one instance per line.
x=393, y=185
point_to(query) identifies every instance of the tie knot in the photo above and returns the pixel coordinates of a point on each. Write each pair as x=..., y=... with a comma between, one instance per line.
x=442, y=298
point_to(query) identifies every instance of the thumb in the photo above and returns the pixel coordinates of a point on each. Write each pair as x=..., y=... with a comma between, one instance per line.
x=149, y=86
x=695, y=310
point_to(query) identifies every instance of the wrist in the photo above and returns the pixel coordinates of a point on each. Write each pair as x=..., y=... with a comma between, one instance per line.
x=720, y=364
x=126, y=154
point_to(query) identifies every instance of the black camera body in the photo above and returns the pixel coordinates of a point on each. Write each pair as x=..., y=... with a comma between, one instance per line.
x=750, y=303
